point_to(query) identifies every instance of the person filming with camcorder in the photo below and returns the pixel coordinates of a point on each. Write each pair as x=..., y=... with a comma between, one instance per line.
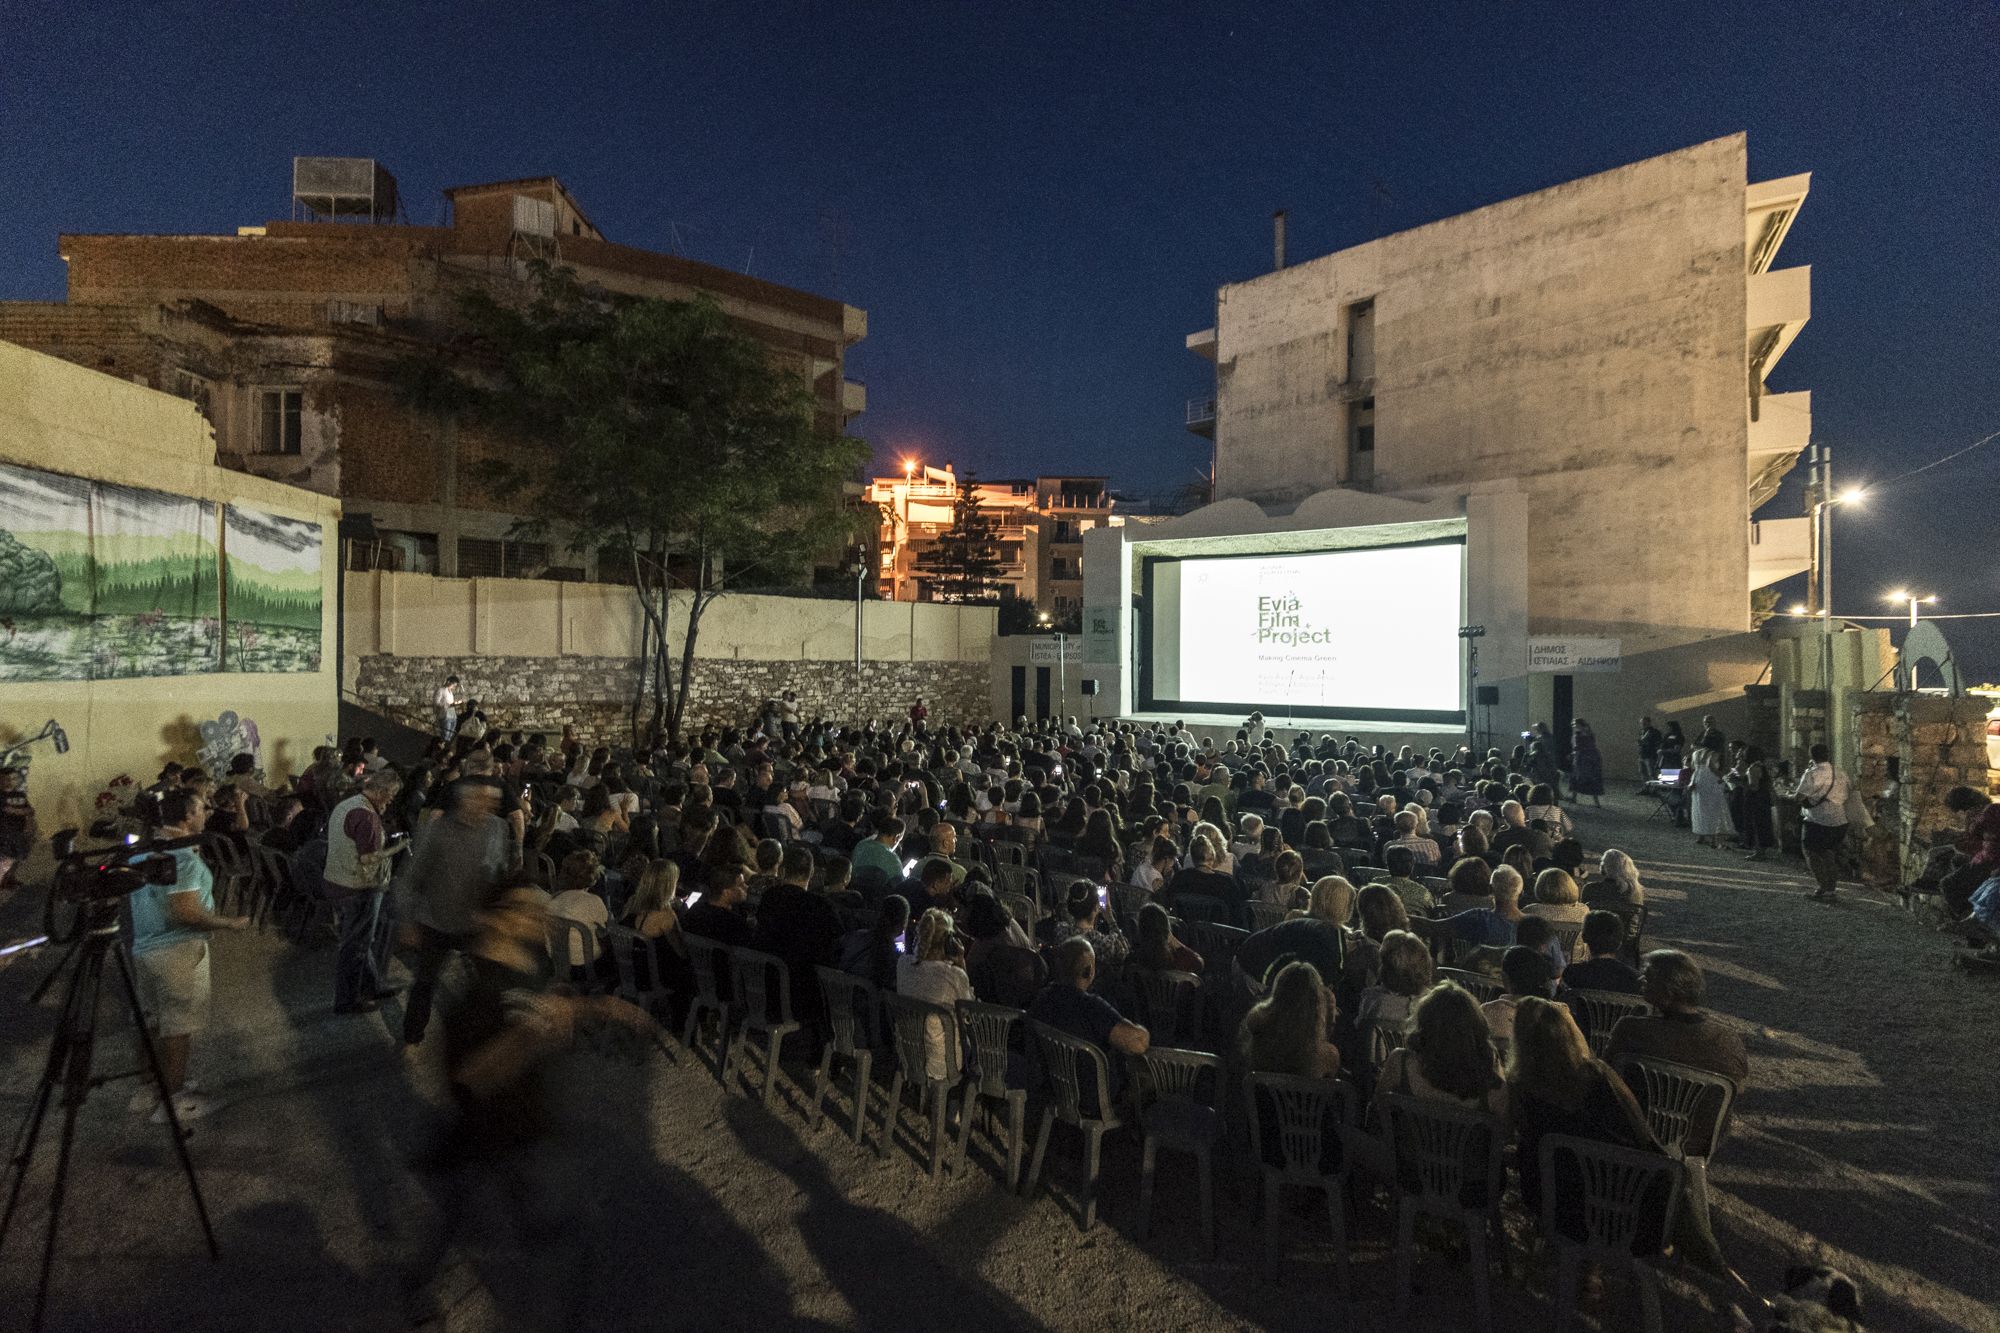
x=171, y=923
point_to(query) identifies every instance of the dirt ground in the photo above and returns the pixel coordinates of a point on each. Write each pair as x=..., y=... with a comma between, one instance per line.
x=1865, y=1141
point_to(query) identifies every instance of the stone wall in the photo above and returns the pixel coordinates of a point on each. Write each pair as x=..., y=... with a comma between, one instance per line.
x=1930, y=744
x=594, y=694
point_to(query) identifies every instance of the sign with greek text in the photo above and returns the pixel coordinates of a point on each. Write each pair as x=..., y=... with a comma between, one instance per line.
x=1573, y=656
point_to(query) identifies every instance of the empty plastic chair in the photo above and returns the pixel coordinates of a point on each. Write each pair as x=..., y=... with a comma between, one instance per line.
x=1688, y=1111
x=764, y=1003
x=1179, y=1099
x=1606, y=1205
x=1074, y=1067
x=1263, y=914
x=991, y=1028
x=709, y=961
x=910, y=1026
x=853, y=1017
x=1447, y=1164
x=1169, y=1004
x=1299, y=1135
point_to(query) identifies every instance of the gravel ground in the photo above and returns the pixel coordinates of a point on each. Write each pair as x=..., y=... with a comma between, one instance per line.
x=1863, y=1141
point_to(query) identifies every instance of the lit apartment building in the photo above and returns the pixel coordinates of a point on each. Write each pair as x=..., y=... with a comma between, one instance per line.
x=1039, y=523
x=285, y=334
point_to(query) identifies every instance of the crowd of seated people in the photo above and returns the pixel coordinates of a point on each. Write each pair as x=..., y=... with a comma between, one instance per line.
x=1047, y=867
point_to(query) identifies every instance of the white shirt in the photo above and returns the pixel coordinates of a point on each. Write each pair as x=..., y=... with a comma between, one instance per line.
x=940, y=983
x=1823, y=780
x=447, y=696
x=584, y=907
x=1145, y=876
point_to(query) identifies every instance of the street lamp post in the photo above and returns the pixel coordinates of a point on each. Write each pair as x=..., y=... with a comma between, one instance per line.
x=860, y=573
x=1900, y=595
x=1820, y=487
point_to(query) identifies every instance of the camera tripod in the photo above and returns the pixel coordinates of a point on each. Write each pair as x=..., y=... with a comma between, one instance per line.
x=71, y=1050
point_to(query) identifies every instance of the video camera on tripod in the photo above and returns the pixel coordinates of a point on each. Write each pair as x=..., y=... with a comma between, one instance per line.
x=93, y=880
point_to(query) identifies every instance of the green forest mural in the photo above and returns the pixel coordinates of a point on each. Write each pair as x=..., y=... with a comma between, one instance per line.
x=100, y=581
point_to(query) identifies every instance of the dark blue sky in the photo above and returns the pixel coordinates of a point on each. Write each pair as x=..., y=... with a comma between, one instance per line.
x=1035, y=202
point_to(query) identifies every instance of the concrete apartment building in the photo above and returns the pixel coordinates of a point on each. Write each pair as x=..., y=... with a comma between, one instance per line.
x=285, y=333
x=1603, y=348
x=1040, y=524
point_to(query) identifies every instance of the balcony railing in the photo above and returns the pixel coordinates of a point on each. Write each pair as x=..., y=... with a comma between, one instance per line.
x=1201, y=411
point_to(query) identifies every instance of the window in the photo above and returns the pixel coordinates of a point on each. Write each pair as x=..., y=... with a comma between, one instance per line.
x=1361, y=440
x=278, y=424
x=1361, y=341
x=409, y=552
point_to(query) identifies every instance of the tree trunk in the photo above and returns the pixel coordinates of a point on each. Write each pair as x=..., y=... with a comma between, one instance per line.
x=696, y=605
x=645, y=662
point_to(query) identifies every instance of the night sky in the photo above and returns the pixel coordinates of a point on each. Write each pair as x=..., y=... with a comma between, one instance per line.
x=1036, y=202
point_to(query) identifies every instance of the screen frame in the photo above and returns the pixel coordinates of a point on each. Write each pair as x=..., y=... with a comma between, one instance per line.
x=1330, y=712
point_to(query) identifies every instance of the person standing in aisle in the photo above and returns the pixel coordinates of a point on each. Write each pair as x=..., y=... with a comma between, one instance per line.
x=446, y=702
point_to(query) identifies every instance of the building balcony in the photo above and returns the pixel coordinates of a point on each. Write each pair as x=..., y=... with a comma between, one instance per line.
x=1780, y=428
x=1778, y=304
x=1201, y=416
x=1202, y=344
x=1779, y=548
x=853, y=397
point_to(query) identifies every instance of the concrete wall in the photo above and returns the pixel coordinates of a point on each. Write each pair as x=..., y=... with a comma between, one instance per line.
x=1585, y=342
x=542, y=653
x=61, y=417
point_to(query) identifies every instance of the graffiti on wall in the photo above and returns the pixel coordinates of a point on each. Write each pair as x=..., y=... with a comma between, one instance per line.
x=225, y=738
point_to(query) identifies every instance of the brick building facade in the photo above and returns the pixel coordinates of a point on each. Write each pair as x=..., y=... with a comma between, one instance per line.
x=285, y=334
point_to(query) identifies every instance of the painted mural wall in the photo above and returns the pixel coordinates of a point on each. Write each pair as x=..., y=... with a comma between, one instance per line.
x=100, y=581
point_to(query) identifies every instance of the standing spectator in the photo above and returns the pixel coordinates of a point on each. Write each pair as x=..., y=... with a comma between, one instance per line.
x=358, y=864
x=446, y=705
x=1709, y=810
x=1822, y=797
x=1650, y=743
x=457, y=861
x=170, y=926
x=17, y=825
x=1586, y=764
x=1760, y=833
x=919, y=713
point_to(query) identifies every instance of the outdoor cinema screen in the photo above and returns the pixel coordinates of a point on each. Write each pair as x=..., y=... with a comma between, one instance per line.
x=1369, y=633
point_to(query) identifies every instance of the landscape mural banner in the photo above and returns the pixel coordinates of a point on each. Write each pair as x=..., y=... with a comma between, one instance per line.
x=274, y=591
x=156, y=601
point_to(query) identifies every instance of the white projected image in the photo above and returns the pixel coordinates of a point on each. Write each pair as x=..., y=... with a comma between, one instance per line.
x=1374, y=628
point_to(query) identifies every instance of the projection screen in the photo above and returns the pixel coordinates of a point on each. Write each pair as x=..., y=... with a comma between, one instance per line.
x=1369, y=634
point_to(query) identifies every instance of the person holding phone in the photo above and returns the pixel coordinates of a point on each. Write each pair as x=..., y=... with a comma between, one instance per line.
x=1087, y=910
x=359, y=859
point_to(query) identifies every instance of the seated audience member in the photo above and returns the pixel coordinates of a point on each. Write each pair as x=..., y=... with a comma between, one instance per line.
x=1199, y=877
x=1526, y=974
x=799, y=925
x=1158, y=948
x=1287, y=887
x=1601, y=968
x=576, y=899
x=1541, y=804
x=649, y=912
x=1555, y=1087
x=1068, y=1004
x=1287, y=1032
x=1003, y=966
x=1318, y=851
x=1493, y=925
x=933, y=883
x=1402, y=866
x=1471, y=881
x=1151, y=871
x=1557, y=899
x=1517, y=832
x=1681, y=1031
x=1320, y=937
x=1567, y=856
x=764, y=859
x=717, y=913
x=872, y=954
x=1448, y=1056
x=876, y=864
x=1616, y=888
x=1385, y=1009
x=1085, y=915
x=934, y=973
x=1407, y=835
x=1537, y=932
x=1249, y=837
x=1261, y=863
x=836, y=882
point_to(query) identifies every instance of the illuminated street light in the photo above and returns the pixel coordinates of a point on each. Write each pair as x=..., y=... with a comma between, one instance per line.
x=909, y=468
x=1852, y=495
x=1799, y=609
x=1904, y=595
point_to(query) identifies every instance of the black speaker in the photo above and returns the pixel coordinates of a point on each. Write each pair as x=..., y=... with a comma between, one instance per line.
x=1089, y=687
x=1486, y=695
